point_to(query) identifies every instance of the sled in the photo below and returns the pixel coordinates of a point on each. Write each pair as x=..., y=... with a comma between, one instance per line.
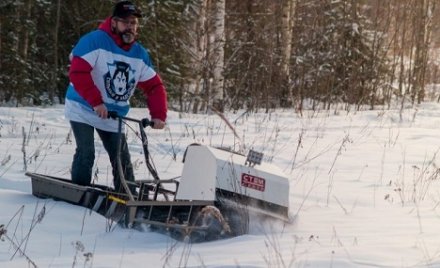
x=214, y=197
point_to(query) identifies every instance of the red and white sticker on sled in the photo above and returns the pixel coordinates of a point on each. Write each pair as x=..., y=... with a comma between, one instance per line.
x=253, y=182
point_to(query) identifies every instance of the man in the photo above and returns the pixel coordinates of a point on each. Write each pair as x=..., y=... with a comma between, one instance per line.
x=106, y=66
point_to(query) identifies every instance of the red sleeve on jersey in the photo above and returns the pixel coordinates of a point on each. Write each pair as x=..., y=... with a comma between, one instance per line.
x=82, y=81
x=156, y=96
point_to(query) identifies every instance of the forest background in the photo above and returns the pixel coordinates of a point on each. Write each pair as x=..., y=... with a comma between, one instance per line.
x=239, y=54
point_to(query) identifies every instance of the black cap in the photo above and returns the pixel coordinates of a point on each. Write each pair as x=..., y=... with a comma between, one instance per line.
x=124, y=9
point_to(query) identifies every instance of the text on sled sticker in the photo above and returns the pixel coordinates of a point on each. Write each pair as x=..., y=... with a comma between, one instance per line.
x=253, y=182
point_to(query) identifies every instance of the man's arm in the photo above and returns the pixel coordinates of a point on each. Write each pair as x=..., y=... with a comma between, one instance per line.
x=156, y=96
x=81, y=79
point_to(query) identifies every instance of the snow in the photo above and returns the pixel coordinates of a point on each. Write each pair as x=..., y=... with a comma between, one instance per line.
x=364, y=191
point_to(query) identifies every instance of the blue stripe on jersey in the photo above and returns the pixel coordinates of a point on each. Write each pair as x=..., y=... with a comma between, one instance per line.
x=101, y=40
x=71, y=94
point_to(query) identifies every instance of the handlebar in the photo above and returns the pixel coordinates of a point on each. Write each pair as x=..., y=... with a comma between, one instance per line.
x=143, y=122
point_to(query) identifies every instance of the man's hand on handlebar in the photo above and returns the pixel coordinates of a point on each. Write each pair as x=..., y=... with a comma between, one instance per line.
x=101, y=111
x=157, y=123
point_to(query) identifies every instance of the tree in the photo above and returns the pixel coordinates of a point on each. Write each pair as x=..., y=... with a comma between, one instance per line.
x=218, y=54
x=422, y=36
x=335, y=56
x=288, y=11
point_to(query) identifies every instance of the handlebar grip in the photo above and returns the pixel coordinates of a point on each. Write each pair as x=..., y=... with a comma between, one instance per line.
x=147, y=122
x=112, y=114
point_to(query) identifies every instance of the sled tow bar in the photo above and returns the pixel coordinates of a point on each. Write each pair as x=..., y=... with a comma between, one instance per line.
x=143, y=123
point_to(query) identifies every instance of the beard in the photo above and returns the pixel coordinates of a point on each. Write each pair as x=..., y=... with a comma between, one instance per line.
x=127, y=36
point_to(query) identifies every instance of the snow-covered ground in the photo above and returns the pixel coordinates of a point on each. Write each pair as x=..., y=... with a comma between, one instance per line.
x=364, y=191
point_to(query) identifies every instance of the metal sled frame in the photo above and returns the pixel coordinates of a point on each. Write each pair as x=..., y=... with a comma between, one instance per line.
x=114, y=206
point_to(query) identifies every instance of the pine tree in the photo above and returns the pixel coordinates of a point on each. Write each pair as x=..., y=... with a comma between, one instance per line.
x=334, y=59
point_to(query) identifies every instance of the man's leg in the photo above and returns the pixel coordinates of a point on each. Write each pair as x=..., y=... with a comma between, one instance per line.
x=84, y=154
x=110, y=141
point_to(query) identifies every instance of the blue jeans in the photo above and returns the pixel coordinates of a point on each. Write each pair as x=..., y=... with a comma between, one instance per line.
x=85, y=154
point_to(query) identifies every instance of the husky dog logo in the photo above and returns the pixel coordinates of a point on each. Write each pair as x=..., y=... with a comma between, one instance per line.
x=119, y=81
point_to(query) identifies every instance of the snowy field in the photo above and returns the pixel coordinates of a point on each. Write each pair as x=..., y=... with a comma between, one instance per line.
x=364, y=191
